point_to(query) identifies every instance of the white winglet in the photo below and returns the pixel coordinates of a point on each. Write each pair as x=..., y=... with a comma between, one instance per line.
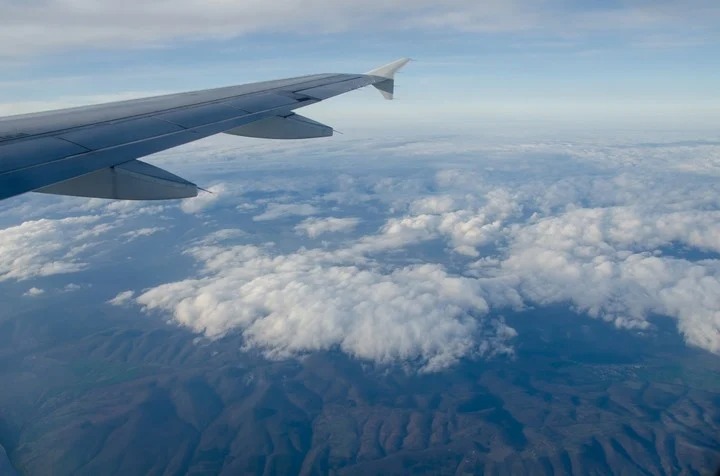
x=387, y=87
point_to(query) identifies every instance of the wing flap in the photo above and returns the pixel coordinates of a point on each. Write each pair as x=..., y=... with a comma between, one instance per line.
x=293, y=126
x=135, y=180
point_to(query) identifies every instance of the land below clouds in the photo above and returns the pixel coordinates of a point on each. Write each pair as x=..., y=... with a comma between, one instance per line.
x=89, y=394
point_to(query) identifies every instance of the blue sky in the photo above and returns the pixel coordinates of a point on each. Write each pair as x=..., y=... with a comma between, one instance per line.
x=601, y=64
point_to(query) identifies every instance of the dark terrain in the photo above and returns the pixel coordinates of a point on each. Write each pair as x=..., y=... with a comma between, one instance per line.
x=118, y=394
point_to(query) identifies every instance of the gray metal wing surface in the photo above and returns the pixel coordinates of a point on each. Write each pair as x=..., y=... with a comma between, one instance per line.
x=91, y=151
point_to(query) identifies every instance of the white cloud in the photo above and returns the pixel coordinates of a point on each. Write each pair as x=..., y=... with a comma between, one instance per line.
x=400, y=232
x=46, y=247
x=465, y=229
x=32, y=292
x=433, y=205
x=134, y=234
x=313, y=300
x=126, y=208
x=590, y=257
x=122, y=298
x=226, y=234
x=469, y=229
x=282, y=210
x=204, y=200
x=314, y=227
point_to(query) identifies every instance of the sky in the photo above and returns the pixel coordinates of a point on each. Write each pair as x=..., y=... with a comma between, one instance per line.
x=537, y=64
x=540, y=153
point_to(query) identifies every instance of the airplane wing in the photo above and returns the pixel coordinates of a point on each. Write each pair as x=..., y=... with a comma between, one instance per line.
x=92, y=151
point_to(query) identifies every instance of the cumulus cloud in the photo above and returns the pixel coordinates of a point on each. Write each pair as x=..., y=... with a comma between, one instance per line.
x=282, y=210
x=314, y=227
x=32, y=292
x=481, y=221
x=122, y=298
x=47, y=247
x=52, y=246
x=604, y=262
x=314, y=300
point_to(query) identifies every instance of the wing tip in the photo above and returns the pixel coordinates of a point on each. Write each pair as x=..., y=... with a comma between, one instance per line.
x=386, y=75
x=388, y=71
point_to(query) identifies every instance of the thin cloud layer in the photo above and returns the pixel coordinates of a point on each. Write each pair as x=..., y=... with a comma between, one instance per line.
x=275, y=211
x=122, y=298
x=135, y=234
x=38, y=27
x=314, y=227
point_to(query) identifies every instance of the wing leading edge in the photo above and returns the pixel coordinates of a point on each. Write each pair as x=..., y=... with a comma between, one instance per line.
x=92, y=151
